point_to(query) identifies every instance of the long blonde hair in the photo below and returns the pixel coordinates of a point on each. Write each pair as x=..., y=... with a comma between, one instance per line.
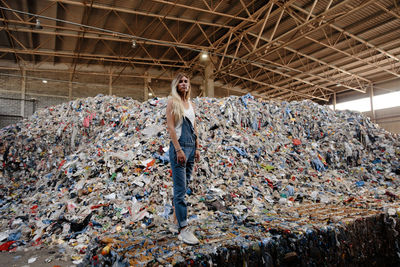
x=177, y=103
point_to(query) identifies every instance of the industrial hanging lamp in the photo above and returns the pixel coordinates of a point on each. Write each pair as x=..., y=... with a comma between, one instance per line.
x=37, y=25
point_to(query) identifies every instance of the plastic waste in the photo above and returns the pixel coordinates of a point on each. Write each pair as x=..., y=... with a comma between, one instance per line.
x=269, y=171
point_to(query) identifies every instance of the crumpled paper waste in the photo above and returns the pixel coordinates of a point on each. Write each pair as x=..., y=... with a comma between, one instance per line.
x=92, y=176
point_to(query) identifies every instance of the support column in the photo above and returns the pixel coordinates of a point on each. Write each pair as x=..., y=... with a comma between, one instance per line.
x=110, y=81
x=23, y=93
x=334, y=101
x=202, y=94
x=371, y=98
x=146, y=88
x=70, y=87
x=209, y=82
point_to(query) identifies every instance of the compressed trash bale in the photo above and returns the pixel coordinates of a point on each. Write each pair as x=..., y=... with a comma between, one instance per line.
x=97, y=167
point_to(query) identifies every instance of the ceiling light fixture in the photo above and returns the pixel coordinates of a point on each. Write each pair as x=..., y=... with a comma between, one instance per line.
x=204, y=55
x=38, y=26
x=150, y=94
x=133, y=43
x=44, y=81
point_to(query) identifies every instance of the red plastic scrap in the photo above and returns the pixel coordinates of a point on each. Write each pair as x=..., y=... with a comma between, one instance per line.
x=33, y=208
x=349, y=200
x=98, y=206
x=296, y=142
x=6, y=246
x=37, y=242
x=270, y=184
x=62, y=163
x=149, y=165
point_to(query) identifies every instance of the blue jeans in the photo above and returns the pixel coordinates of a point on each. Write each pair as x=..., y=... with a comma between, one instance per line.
x=181, y=173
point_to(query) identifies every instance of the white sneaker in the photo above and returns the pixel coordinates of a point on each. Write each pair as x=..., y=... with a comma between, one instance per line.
x=173, y=228
x=188, y=237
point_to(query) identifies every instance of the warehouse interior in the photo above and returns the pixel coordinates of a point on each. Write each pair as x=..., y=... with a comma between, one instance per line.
x=326, y=51
x=54, y=52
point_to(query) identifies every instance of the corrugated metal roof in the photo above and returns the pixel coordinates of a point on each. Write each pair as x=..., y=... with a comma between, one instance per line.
x=254, y=44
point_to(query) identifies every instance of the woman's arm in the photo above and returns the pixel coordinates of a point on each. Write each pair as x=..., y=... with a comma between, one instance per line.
x=197, y=154
x=172, y=133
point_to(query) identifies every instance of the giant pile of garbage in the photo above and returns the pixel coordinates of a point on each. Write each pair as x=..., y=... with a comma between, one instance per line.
x=92, y=176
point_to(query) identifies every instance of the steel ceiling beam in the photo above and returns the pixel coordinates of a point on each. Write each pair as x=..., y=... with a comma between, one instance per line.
x=71, y=32
x=97, y=57
x=289, y=76
x=296, y=72
x=330, y=65
x=11, y=42
x=277, y=87
x=220, y=44
x=33, y=68
x=354, y=56
x=321, y=25
x=84, y=21
x=209, y=11
x=282, y=65
x=142, y=13
x=355, y=37
x=304, y=29
x=325, y=75
x=394, y=14
x=25, y=7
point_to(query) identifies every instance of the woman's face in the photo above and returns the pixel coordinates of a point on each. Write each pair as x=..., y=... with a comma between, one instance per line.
x=183, y=85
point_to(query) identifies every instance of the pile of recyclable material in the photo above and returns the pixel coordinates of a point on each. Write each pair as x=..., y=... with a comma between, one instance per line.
x=277, y=183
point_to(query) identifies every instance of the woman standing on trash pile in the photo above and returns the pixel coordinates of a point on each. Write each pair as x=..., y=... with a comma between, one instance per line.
x=184, y=149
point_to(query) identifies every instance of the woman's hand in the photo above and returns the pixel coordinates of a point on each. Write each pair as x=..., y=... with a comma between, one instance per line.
x=197, y=155
x=180, y=157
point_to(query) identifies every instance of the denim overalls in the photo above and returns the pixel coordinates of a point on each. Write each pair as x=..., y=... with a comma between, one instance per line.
x=181, y=173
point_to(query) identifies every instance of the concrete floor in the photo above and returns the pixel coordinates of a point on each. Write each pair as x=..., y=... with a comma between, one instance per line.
x=44, y=258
